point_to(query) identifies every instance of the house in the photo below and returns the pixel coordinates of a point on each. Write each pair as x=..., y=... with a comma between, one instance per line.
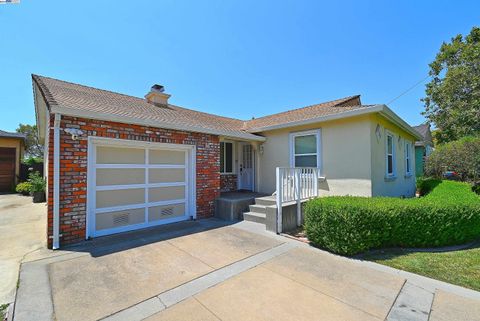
x=118, y=163
x=12, y=146
x=423, y=148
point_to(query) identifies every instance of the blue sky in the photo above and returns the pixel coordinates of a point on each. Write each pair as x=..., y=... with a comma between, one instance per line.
x=233, y=58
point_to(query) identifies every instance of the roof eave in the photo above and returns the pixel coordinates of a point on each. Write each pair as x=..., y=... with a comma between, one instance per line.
x=346, y=114
x=390, y=115
x=151, y=123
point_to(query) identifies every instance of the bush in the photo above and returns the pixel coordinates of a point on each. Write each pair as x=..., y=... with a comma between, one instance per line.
x=24, y=188
x=33, y=160
x=37, y=182
x=426, y=185
x=476, y=188
x=461, y=156
x=449, y=214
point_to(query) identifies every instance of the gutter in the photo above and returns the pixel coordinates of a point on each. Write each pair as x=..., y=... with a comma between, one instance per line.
x=157, y=124
x=56, y=182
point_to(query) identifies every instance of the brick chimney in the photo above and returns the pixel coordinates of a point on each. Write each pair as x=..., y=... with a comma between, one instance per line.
x=157, y=97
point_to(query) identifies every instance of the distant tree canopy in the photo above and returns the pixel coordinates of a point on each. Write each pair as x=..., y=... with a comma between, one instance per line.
x=452, y=99
x=33, y=148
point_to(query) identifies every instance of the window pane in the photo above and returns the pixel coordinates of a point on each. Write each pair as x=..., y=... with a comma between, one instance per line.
x=306, y=144
x=389, y=144
x=306, y=161
x=229, y=157
x=222, y=157
x=408, y=165
x=390, y=164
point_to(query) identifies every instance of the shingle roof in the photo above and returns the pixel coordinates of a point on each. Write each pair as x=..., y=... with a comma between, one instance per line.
x=422, y=130
x=305, y=113
x=12, y=135
x=78, y=98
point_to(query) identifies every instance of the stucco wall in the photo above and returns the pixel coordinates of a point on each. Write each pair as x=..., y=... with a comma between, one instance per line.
x=346, y=157
x=401, y=185
x=18, y=145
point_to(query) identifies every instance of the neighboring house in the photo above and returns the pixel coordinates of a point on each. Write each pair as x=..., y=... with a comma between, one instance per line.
x=117, y=163
x=423, y=148
x=12, y=146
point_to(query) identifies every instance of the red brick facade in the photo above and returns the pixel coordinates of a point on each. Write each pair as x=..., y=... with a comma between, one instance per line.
x=228, y=182
x=73, y=168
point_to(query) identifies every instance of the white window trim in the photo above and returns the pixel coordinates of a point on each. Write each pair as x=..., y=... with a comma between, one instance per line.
x=394, y=163
x=408, y=158
x=233, y=158
x=318, y=134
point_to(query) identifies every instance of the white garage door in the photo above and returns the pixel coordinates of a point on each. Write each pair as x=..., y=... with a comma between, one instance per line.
x=135, y=185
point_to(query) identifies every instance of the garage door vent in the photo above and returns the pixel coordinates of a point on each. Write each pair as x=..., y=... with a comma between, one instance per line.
x=167, y=211
x=121, y=219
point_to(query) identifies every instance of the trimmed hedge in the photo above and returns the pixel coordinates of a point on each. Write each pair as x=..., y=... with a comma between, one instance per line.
x=449, y=214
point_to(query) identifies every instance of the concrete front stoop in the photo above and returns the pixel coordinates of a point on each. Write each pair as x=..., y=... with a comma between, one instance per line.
x=258, y=211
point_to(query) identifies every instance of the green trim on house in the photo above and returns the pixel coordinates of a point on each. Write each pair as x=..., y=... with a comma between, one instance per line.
x=419, y=160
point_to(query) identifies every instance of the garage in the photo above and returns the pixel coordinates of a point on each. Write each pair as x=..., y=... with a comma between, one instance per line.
x=134, y=185
x=7, y=169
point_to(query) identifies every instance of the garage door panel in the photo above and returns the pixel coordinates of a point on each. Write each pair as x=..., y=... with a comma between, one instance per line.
x=170, y=157
x=120, y=197
x=157, y=213
x=119, y=155
x=166, y=193
x=166, y=175
x=117, y=176
x=119, y=218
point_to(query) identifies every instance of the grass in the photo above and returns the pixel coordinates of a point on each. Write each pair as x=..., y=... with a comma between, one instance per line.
x=3, y=310
x=458, y=267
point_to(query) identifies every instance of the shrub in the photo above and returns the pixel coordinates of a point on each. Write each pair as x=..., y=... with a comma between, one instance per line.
x=426, y=185
x=24, y=188
x=449, y=214
x=461, y=156
x=476, y=188
x=37, y=182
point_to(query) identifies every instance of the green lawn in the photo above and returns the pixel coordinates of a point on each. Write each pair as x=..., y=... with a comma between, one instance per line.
x=457, y=267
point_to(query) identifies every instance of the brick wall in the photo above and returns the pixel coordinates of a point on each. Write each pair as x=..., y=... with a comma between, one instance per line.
x=228, y=182
x=73, y=168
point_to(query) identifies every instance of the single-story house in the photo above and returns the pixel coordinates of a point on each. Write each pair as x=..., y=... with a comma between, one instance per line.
x=12, y=147
x=423, y=148
x=118, y=163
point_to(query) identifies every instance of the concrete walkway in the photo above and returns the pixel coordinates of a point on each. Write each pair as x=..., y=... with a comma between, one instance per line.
x=22, y=230
x=208, y=270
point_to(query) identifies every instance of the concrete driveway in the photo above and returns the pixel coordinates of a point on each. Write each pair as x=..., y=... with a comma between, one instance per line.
x=22, y=230
x=208, y=270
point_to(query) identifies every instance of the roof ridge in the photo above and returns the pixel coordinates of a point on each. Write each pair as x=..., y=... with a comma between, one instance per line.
x=338, y=101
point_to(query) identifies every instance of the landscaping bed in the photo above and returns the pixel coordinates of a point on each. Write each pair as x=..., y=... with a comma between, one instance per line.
x=448, y=214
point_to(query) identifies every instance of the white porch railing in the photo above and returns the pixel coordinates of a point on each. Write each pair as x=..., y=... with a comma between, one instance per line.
x=295, y=184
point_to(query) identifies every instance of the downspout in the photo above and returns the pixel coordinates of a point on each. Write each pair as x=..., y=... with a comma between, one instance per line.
x=56, y=181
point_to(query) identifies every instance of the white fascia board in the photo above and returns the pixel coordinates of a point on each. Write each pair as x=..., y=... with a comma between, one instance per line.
x=394, y=118
x=151, y=123
x=41, y=124
x=350, y=113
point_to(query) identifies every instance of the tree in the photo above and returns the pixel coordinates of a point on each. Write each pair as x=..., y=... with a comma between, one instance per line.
x=452, y=99
x=33, y=148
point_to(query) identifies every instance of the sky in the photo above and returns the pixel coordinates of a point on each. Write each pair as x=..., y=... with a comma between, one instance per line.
x=239, y=59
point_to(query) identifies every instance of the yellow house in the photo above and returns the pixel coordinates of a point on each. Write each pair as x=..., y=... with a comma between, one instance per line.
x=12, y=146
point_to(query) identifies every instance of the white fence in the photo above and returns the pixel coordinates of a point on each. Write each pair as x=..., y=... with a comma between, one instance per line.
x=295, y=184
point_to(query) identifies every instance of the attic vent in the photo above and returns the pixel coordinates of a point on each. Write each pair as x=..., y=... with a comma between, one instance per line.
x=168, y=211
x=121, y=219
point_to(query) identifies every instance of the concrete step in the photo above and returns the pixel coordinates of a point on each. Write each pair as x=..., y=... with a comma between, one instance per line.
x=254, y=217
x=261, y=209
x=265, y=201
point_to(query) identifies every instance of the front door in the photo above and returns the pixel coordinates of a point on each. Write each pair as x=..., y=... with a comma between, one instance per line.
x=7, y=169
x=246, y=167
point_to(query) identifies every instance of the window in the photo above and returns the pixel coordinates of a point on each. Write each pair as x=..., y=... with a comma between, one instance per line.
x=408, y=159
x=305, y=149
x=390, y=159
x=226, y=157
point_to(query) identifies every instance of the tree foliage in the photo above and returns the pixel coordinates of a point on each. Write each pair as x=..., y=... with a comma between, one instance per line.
x=33, y=148
x=461, y=156
x=452, y=99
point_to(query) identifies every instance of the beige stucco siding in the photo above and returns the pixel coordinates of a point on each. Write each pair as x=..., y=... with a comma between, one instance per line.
x=402, y=184
x=345, y=156
x=19, y=149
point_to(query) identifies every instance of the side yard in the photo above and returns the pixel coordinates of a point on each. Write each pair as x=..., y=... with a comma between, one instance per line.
x=387, y=230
